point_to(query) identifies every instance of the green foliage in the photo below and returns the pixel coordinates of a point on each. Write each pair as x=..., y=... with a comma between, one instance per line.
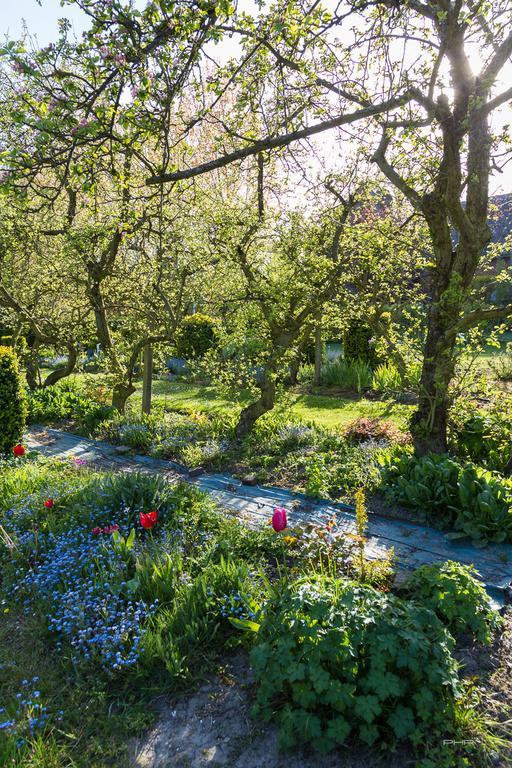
x=12, y=401
x=502, y=364
x=317, y=483
x=196, y=335
x=359, y=344
x=352, y=375
x=158, y=575
x=342, y=660
x=136, y=492
x=179, y=635
x=454, y=593
x=475, y=502
x=428, y=484
x=337, y=469
x=192, y=439
x=64, y=400
x=485, y=507
x=28, y=480
x=278, y=450
x=388, y=381
x=485, y=436
x=361, y=529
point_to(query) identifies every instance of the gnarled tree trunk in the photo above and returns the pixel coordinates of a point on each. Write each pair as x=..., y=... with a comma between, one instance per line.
x=64, y=371
x=32, y=363
x=252, y=412
x=429, y=422
x=120, y=394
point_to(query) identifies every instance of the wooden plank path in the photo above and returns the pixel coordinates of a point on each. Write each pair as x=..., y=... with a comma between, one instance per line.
x=413, y=544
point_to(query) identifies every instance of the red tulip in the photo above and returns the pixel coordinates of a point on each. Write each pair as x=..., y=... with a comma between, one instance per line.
x=49, y=503
x=96, y=530
x=19, y=451
x=148, y=520
x=279, y=521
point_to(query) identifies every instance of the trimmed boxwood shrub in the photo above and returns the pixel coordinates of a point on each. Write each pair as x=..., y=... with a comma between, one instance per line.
x=12, y=401
x=337, y=659
x=196, y=335
x=357, y=344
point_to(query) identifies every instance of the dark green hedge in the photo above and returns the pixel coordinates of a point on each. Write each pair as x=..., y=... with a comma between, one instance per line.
x=13, y=410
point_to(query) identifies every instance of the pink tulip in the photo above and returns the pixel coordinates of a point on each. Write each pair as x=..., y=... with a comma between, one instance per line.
x=279, y=521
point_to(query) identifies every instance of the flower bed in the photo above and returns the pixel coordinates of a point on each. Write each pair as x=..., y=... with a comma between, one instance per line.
x=130, y=584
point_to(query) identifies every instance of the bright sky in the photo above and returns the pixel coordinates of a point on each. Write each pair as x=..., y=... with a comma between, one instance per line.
x=41, y=17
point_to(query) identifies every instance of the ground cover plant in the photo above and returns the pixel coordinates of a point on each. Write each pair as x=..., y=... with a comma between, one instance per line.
x=466, y=498
x=455, y=595
x=65, y=401
x=127, y=586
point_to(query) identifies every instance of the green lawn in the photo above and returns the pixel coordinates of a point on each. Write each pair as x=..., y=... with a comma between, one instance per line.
x=326, y=410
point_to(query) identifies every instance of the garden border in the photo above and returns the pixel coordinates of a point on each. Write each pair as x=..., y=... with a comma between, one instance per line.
x=414, y=544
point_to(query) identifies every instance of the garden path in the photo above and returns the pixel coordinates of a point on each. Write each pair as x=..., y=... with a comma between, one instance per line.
x=413, y=544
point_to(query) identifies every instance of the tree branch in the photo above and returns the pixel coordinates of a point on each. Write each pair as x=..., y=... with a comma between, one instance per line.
x=282, y=140
x=481, y=316
x=387, y=169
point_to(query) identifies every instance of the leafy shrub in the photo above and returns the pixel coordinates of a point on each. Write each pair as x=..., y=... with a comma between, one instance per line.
x=472, y=500
x=485, y=436
x=306, y=373
x=454, y=593
x=92, y=416
x=485, y=508
x=342, y=469
x=353, y=375
x=12, y=401
x=427, y=484
x=387, y=379
x=137, y=435
x=358, y=344
x=318, y=480
x=196, y=335
x=341, y=659
x=364, y=429
x=64, y=400
x=191, y=455
x=502, y=364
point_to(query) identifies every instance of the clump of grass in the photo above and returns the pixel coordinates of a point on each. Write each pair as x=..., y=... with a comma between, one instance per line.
x=349, y=375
